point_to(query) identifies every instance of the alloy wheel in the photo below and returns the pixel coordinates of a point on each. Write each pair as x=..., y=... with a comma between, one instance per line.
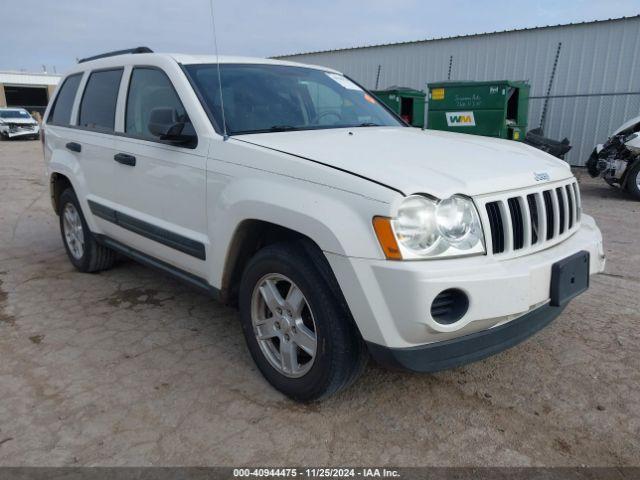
x=73, y=232
x=283, y=325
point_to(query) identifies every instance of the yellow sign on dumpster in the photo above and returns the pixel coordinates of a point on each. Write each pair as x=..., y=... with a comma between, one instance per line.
x=437, y=94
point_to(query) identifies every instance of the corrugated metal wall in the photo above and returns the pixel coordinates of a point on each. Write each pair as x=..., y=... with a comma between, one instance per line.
x=596, y=86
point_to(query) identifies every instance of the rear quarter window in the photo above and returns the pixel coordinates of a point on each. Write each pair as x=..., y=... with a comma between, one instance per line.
x=98, y=106
x=61, y=109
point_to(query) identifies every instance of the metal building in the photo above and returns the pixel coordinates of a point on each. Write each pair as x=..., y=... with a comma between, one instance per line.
x=585, y=77
x=27, y=90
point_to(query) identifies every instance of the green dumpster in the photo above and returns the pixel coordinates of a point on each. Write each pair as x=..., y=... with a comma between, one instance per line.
x=406, y=102
x=493, y=109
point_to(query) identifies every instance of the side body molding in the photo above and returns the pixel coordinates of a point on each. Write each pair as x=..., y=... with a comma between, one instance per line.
x=152, y=232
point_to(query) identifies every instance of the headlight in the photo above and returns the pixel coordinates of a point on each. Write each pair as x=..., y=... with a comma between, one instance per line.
x=458, y=222
x=429, y=228
x=415, y=225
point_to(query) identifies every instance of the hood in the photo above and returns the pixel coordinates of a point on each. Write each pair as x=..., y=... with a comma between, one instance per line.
x=18, y=121
x=628, y=124
x=421, y=161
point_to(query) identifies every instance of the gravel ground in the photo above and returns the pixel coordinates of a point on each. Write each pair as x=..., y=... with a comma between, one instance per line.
x=128, y=367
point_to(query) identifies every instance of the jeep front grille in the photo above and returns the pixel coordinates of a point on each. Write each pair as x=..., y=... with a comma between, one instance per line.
x=530, y=220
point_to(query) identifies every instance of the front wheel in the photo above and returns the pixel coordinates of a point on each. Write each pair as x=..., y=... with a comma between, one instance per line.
x=633, y=181
x=592, y=164
x=298, y=329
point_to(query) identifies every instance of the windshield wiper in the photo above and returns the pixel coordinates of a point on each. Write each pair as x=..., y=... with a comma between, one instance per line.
x=369, y=124
x=282, y=128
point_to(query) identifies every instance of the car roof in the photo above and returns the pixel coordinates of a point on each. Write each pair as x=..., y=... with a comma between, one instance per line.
x=208, y=59
x=184, y=59
x=14, y=109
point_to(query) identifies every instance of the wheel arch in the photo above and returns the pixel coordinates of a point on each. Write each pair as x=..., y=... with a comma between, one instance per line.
x=256, y=212
x=249, y=237
x=58, y=183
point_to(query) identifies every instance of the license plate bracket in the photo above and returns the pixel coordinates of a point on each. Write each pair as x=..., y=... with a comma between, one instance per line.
x=569, y=278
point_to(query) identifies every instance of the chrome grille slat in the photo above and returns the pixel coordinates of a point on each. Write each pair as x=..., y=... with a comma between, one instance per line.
x=517, y=222
x=576, y=191
x=562, y=197
x=508, y=228
x=526, y=221
x=551, y=214
x=534, y=218
x=572, y=205
x=542, y=235
x=497, y=229
x=521, y=222
x=562, y=216
x=556, y=212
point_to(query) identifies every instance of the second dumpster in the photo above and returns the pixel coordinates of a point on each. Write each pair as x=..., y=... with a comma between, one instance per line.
x=406, y=102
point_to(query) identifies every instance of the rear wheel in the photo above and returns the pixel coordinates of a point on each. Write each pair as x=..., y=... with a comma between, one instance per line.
x=633, y=180
x=84, y=252
x=297, y=326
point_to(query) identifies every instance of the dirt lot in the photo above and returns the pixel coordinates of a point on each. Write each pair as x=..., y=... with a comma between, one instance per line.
x=128, y=367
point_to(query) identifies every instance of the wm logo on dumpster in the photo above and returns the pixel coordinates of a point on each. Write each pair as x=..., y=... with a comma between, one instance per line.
x=460, y=119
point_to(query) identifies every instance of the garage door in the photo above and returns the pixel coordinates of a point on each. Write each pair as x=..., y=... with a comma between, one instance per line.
x=34, y=99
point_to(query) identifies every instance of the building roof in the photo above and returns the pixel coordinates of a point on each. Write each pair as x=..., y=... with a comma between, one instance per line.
x=435, y=39
x=27, y=78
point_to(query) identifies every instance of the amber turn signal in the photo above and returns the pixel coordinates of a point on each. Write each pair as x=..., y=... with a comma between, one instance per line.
x=384, y=232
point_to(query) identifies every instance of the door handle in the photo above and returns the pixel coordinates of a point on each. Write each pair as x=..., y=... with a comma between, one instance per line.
x=74, y=147
x=125, y=159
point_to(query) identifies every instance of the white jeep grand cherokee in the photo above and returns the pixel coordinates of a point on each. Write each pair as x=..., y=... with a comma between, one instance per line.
x=291, y=192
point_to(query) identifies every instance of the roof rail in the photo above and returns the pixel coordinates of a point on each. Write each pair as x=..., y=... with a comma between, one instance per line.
x=117, y=52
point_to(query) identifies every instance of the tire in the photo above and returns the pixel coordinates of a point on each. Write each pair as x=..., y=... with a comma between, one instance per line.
x=340, y=353
x=633, y=181
x=91, y=257
x=592, y=164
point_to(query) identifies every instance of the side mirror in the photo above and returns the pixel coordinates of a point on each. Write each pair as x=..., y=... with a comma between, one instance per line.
x=164, y=124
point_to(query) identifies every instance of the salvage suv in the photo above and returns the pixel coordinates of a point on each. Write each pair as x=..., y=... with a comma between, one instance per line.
x=18, y=123
x=290, y=191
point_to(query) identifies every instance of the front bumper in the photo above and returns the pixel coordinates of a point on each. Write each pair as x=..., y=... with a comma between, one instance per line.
x=27, y=131
x=469, y=348
x=391, y=301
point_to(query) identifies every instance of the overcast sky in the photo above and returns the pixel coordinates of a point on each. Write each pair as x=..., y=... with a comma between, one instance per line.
x=56, y=32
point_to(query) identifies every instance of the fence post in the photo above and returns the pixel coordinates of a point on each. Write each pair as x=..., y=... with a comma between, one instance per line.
x=543, y=117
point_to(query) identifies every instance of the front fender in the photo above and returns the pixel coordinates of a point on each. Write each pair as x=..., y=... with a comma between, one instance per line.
x=339, y=222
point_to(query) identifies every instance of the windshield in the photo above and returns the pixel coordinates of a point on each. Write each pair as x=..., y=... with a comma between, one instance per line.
x=274, y=98
x=14, y=114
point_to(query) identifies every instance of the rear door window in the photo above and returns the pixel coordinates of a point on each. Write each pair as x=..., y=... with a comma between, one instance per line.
x=98, y=106
x=61, y=110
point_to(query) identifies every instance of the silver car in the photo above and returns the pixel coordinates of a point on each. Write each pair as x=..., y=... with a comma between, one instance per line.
x=17, y=122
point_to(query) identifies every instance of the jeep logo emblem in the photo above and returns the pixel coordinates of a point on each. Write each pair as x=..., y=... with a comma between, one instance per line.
x=541, y=176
